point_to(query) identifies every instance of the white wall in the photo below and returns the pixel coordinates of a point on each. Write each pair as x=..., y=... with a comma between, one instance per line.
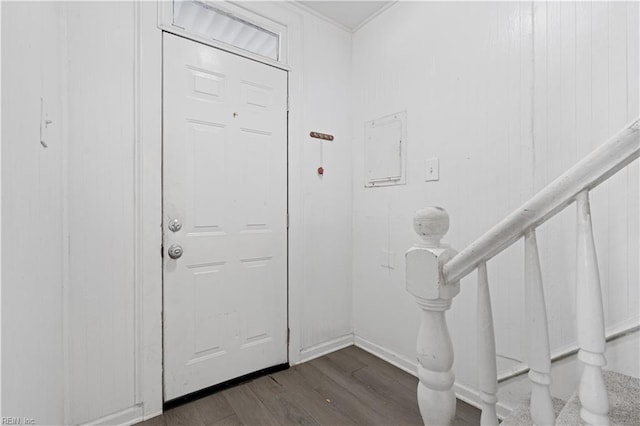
x=101, y=209
x=586, y=89
x=326, y=289
x=32, y=213
x=507, y=96
x=462, y=73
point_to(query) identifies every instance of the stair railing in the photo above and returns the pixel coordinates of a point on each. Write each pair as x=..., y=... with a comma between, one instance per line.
x=434, y=271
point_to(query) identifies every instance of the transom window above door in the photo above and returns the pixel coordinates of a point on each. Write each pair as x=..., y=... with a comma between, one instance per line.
x=214, y=23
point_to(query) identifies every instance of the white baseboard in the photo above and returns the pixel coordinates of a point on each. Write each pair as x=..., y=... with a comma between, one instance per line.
x=324, y=348
x=152, y=415
x=391, y=357
x=124, y=417
x=463, y=392
x=630, y=325
x=470, y=396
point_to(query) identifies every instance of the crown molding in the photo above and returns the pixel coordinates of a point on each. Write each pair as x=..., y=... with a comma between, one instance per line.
x=374, y=15
x=300, y=5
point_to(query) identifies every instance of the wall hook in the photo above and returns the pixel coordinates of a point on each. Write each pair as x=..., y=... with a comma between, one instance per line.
x=42, y=124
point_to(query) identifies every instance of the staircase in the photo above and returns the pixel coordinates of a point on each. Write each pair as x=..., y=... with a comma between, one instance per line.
x=433, y=274
x=624, y=404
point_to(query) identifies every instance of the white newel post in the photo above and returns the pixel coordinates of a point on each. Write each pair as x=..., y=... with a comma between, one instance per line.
x=424, y=262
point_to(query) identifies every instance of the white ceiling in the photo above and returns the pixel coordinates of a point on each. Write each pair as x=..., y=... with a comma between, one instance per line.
x=349, y=14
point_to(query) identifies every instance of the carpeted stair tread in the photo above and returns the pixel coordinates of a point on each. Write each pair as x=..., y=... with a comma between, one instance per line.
x=624, y=402
x=520, y=416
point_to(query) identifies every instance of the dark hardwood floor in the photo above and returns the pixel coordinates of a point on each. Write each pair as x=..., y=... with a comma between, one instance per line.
x=347, y=387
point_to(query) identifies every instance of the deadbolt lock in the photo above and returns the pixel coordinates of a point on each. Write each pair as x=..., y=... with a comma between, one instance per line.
x=175, y=225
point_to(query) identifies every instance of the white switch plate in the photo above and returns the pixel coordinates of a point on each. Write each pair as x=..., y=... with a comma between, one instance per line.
x=432, y=169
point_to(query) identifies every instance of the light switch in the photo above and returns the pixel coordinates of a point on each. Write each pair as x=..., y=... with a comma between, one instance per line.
x=432, y=169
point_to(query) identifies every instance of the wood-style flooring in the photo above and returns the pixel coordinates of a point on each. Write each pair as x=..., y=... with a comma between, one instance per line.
x=347, y=387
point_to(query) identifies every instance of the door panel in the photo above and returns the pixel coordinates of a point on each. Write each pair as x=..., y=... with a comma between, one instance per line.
x=224, y=180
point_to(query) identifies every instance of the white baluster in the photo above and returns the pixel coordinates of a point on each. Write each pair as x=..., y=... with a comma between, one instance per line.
x=424, y=262
x=487, y=371
x=590, y=316
x=538, y=341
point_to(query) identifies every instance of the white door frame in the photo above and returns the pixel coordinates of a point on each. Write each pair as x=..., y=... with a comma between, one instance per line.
x=148, y=192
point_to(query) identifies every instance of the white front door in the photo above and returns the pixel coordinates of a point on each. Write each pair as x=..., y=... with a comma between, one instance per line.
x=225, y=184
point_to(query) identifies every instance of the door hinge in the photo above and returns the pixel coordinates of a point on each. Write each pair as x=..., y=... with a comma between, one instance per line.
x=288, y=103
x=162, y=251
x=288, y=335
x=287, y=220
